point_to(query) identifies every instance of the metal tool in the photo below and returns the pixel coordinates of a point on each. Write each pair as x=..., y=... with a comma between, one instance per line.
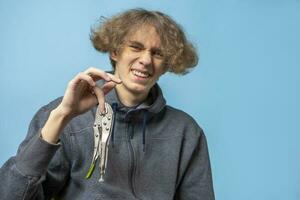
x=102, y=131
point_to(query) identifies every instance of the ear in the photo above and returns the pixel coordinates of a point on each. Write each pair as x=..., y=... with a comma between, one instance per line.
x=113, y=55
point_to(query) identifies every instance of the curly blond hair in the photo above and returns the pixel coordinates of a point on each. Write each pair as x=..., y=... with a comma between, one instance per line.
x=179, y=54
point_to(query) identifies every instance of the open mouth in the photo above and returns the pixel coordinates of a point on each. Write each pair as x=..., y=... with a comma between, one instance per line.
x=140, y=73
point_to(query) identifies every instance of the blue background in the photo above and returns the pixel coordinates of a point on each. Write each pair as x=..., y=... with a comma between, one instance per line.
x=244, y=92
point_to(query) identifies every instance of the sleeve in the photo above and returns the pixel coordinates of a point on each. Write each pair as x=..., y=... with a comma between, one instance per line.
x=39, y=169
x=195, y=180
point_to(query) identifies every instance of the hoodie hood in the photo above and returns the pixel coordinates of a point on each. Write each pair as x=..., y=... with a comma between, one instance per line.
x=154, y=103
x=141, y=113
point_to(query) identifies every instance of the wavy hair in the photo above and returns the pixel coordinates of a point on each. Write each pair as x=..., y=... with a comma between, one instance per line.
x=179, y=54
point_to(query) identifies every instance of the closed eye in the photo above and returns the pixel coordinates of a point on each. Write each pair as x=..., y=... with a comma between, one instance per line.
x=157, y=54
x=135, y=47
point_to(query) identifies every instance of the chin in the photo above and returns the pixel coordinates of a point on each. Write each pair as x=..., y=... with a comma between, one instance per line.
x=138, y=88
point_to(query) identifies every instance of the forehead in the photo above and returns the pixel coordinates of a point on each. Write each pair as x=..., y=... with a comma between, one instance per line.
x=146, y=35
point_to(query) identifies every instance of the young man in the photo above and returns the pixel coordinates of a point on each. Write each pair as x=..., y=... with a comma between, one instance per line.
x=154, y=151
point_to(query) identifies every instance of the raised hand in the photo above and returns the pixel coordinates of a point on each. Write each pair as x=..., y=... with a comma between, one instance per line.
x=81, y=94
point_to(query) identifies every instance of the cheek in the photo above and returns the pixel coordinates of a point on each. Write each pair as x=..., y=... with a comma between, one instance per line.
x=129, y=60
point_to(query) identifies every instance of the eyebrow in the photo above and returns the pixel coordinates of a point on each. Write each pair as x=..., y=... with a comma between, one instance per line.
x=136, y=43
x=142, y=46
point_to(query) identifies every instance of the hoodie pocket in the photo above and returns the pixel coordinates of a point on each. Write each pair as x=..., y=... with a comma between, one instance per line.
x=157, y=169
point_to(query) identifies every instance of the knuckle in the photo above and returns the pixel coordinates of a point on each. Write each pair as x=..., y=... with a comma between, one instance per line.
x=90, y=69
x=79, y=75
x=90, y=78
x=70, y=82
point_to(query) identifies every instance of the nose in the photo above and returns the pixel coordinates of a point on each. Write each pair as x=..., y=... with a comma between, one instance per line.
x=145, y=58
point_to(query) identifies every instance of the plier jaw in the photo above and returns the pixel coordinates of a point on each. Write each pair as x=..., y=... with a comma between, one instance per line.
x=102, y=131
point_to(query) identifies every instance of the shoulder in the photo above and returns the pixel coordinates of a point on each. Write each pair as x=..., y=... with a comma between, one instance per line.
x=50, y=106
x=43, y=113
x=183, y=121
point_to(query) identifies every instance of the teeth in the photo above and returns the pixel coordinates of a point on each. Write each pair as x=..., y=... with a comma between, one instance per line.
x=140, y=74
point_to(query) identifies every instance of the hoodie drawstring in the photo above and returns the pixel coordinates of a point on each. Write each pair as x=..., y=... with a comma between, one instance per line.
x=114, y=107
x=145, y=117
x=144, y=129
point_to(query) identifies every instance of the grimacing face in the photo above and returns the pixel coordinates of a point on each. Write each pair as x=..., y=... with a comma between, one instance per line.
x=140, y=62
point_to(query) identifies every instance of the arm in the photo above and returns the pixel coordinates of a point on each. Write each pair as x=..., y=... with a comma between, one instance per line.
x=41, y=167
x=21, y=176
x=196, y=179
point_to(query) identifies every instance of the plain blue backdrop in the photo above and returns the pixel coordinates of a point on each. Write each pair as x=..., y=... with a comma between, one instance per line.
x=244, y=92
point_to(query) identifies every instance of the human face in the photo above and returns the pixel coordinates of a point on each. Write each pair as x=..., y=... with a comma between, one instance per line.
x=140, y=62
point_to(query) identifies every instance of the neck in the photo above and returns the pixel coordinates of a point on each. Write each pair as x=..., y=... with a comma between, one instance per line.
x=128, y=98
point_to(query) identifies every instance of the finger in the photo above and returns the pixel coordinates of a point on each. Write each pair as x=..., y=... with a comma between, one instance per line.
x=80, y=77
x=100, y=97
x=114, y=78
x=97, y=73
x=108, y=87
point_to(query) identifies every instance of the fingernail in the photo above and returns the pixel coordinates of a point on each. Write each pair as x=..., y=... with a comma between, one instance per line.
x=103, y=111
